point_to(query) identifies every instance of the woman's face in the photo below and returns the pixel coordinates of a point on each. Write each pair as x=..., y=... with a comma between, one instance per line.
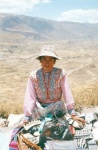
x=47, y=63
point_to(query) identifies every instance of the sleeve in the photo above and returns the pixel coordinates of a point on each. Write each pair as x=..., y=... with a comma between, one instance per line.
x=30, y=99
x=67, y=94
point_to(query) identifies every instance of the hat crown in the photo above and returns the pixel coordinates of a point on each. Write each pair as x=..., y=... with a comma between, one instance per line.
x=48, y=48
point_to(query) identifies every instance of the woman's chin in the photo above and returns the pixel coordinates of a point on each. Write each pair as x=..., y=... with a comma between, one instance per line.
x=47, y=69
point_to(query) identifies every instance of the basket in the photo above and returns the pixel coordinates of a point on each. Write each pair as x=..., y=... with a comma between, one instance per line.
x=25, y=144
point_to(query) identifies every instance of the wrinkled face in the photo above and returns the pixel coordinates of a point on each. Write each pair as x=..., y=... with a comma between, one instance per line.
x=47, y=63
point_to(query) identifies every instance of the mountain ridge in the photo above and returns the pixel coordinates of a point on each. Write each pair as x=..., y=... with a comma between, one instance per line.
x=39, y=29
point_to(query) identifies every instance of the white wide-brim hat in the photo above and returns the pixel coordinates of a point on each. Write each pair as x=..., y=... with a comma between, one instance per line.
x=48, y=51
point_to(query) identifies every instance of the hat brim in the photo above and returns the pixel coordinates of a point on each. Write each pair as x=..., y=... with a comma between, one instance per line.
x=48, y=53
x=58, y=58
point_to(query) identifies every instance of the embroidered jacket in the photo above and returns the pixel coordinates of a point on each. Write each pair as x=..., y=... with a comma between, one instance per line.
x=50, y=89
x=47, y=88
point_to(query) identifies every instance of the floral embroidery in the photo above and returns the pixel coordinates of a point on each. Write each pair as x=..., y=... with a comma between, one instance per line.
x=52, y=91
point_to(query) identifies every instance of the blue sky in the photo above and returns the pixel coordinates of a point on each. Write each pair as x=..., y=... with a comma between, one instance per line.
x=60, y=10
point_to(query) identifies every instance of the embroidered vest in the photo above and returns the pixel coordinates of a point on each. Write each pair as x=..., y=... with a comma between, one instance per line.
x=52, y=91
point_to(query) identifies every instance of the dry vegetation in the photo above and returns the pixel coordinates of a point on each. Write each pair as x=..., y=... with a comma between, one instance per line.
x=16, y=62
x=85, y=96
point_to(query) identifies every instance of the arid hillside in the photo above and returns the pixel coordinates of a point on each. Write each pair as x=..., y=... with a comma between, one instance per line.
x=80, y=63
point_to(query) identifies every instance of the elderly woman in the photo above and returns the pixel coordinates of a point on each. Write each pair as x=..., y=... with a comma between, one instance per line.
x=45, y=88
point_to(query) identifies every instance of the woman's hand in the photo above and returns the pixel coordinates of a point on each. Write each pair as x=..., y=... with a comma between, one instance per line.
x=24, y=122
x=78, y=119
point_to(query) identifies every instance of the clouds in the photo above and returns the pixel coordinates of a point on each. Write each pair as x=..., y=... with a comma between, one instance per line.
x=19, y=6
x=52, y=9
x=80, y=15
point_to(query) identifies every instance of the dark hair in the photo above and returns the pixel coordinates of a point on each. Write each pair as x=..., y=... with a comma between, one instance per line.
x=43, y=56
x=40, y=57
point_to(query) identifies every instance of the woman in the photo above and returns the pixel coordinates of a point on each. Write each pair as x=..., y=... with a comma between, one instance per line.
x=45, y=88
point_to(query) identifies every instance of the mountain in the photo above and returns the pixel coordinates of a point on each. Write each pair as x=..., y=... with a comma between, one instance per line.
x=20, y=28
